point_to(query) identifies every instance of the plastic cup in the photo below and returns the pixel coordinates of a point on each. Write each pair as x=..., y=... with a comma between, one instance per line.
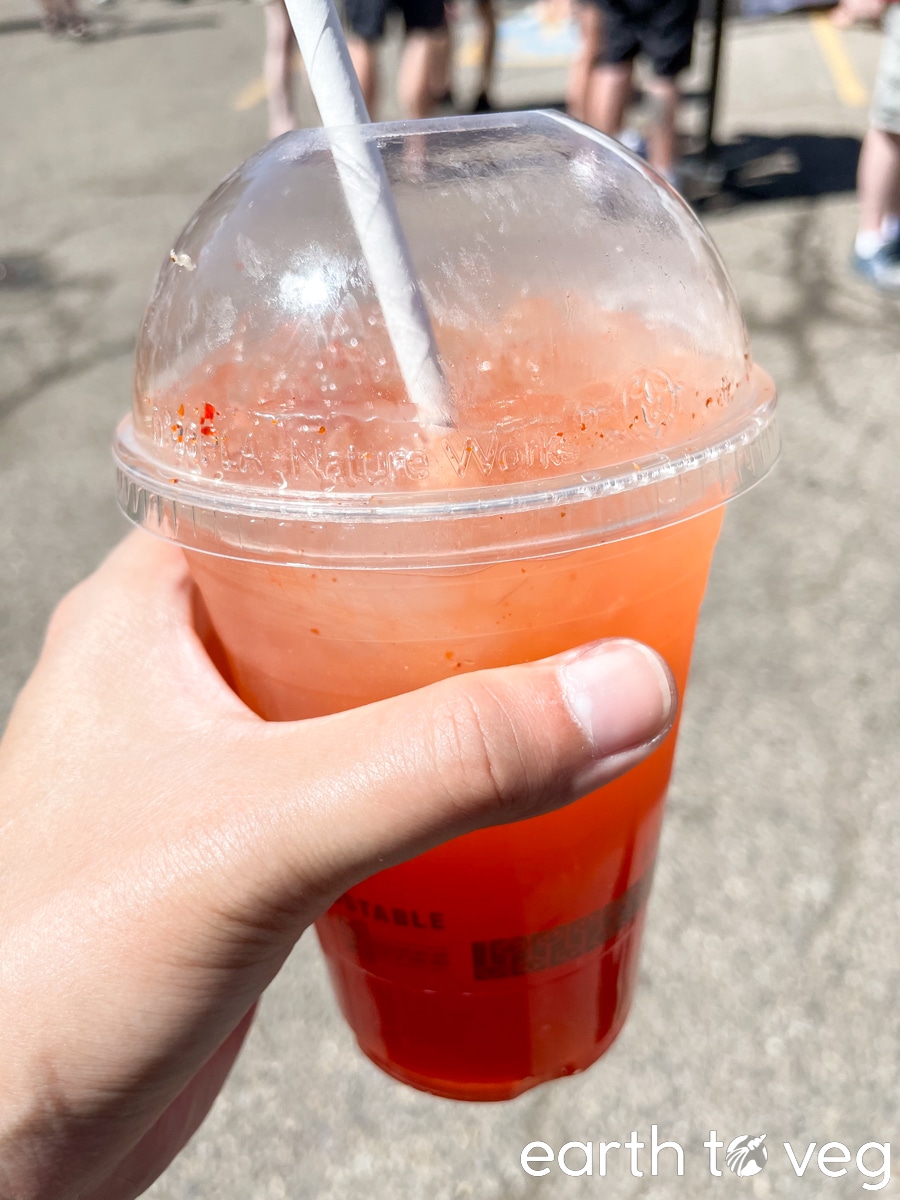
x=606, y=408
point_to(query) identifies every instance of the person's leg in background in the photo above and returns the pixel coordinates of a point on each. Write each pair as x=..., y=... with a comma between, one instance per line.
x=278, y=68
x=876, y=253
x=662, y=135
x=578, y=81
x=426, y=35
x=488, y=22
x=891, y=222
x=442, y=61
x=667, y=37
x=364, y=56
x=414, y=80
x=365, y=29
x=609, y=96
x=610, y=86
x=877, y=247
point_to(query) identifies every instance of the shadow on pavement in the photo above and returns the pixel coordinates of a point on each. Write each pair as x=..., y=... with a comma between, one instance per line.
x=756, y=168
x=107, y=27
x=47, y=325
x=20, y=25
x=117, y=30
x=23, y=271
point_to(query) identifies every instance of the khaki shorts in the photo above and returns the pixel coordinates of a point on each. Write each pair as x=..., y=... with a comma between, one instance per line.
x=886, y=100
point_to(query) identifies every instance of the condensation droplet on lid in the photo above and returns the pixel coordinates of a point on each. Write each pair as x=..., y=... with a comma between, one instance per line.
x=382, y=362
x=354, y=341
x=319, y=364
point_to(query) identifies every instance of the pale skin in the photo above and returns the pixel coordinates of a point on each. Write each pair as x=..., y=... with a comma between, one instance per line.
x=278, y=69
x=878, y=179
x=419, y=65
x=878, y=173
x=442, y=62
x=609, y=95
x=162, y=849
x=578, y=81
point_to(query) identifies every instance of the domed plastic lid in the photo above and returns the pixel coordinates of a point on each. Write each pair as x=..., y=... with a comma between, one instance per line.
x=594, y=349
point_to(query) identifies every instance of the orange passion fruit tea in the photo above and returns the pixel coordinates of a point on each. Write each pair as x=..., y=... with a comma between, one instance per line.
x=605, y=408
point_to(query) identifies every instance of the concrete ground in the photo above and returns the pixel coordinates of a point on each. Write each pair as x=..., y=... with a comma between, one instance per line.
x=771, y=975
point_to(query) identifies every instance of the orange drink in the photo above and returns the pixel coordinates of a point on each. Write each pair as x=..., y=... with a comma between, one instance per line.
x=508, y=956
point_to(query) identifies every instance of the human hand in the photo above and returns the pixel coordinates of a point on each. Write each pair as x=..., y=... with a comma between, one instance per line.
x=162, y=848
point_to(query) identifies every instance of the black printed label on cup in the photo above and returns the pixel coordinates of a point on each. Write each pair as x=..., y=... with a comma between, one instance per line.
x=372, y=951
x=377, y=935
x=528, y=953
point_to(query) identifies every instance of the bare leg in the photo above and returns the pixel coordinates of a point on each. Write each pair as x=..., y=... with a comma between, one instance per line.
x=417, y=72
x=578, y=83
x=278, y=69
x=364, y=56
x=488, y=45
x=441, y=82
x=609, y=96
x=878, y=179
x=662, y=140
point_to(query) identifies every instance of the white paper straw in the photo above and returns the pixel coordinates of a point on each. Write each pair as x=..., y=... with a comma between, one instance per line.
x=371, y=203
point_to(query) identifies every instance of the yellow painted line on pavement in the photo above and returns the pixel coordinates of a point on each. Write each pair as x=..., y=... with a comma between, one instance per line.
x=847, y=83
x=254, y=93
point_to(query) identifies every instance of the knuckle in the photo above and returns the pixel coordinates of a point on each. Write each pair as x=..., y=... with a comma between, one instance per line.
x=491, y=763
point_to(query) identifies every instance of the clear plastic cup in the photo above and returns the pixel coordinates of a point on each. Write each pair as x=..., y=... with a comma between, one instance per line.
x=606, y=407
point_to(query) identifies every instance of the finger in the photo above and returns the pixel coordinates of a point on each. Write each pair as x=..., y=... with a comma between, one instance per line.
x=143, y=578
x=390, y=780
x=141, y=599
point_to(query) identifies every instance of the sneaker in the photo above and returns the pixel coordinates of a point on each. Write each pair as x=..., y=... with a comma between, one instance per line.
x=674, y=179
x=882, y=269
x=633, y=140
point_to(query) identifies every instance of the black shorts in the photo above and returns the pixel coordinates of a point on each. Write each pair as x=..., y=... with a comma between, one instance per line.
x=366, y=18
x=661, y=29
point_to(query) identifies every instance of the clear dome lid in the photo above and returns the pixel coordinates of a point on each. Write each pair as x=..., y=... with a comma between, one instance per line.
x=591, y=341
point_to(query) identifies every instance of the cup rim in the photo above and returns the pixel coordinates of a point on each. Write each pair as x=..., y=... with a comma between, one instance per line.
x=448, y=528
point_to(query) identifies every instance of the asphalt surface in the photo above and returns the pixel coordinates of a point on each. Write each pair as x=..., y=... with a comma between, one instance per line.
x=768, y=994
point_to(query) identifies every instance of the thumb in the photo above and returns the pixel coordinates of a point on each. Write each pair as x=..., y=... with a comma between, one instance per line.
x=387, y=781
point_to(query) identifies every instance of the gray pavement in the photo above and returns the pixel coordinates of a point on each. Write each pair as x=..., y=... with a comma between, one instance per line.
x=770, y=979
